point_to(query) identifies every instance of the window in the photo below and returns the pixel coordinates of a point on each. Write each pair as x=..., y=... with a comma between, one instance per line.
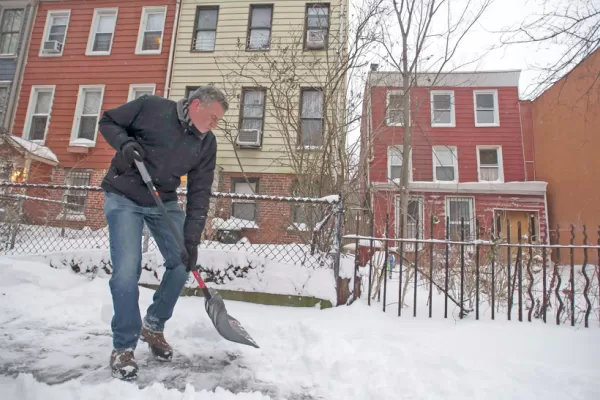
x=456, y=209
x=486, y=108
x=38, y=113
x=395, y=161
x=87, y=113
x=311, y=118
x=151, y=32
x=205, y=33
x=317, y=26
x=489, y=160
x=3, y=100
x=137, y=91
x=395, y=108
x=102, y=31
x=190, y=89
x=75, y=198
x=442, y=109
x=252, y=112
x=11, y=21
x=445, y=164
x=259, y=27
x=244, y=209
x=55, y=33
x=414, y=217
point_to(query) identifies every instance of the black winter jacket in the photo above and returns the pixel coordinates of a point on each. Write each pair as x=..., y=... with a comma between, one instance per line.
x=173, y=148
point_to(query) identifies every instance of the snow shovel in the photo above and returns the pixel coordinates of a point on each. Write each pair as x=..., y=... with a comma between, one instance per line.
x=226, y=325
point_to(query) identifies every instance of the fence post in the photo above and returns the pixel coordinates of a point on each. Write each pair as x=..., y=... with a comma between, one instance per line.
x=337, y=240
x=371, y=253
x=15, y=231
x=386, y=260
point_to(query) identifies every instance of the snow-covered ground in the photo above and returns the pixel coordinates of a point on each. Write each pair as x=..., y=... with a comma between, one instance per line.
x=55, y=340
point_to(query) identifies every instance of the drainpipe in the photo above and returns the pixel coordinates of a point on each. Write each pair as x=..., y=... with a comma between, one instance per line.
x=167, y=90
x=13, y=99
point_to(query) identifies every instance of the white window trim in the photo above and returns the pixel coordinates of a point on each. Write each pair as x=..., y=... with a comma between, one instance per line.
x=144, y=86
x=140, y=37
x=387, y=103
x=496, y=107
x=434, y=160
x=421, y=199
x=389, y=164
x=92, y=36
x=47, y=31
x=452, y=123
x=31, y=108
x=500, y=163
x=473, y=214
x=74, y=141
x=11, y=6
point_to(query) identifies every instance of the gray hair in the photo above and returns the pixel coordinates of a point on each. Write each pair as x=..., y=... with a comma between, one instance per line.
x=209, y=94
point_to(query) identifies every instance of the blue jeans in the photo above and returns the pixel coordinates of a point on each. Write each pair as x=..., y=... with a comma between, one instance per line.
x=125, y=224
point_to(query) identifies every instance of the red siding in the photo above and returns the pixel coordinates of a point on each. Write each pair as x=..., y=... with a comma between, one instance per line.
x=465, y=136
x=116, y=71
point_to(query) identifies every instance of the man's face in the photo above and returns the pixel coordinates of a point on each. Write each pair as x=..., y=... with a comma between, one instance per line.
x=205, y=118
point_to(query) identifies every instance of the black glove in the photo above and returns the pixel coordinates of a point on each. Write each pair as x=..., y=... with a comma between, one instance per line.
x=129, y=151
x=191, y=258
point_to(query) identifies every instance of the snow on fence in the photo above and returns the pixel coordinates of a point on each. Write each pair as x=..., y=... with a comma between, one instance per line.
x=524, y=278
x=49, y=218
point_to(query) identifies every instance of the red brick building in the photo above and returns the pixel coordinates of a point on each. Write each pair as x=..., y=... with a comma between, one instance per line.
x=468, y=159
x=85, y=57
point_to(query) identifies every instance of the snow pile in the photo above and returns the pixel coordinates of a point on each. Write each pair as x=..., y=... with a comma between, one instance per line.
x=233, y=223
x=36, y=149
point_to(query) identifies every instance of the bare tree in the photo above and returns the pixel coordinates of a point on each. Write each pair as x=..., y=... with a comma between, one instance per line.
x=420, y=39
x=574, y=26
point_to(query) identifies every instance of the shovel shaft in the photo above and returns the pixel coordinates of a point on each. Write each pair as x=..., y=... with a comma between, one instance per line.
x=148, y=181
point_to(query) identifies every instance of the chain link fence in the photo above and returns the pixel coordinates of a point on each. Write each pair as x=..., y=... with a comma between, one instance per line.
x=48, y=218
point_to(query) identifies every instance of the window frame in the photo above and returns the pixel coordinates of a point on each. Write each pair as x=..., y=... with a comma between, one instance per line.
x=435, y=159
x=452, y=123
x=498, y=149
x=195, y=29
x=136, y=86
x=98, y=12
x=496, y=122
x=33, y=96
x=70, y=174
x=389, y=163
x=74, y=139
x=146, y=11
x=472, y=212
x=246, y=89
x=5, y=85
x=389, y=93
x=249, y=26
x=7, y=7
x=327, y=30
x=249, y=180
x=49, y=16
x=300, y=144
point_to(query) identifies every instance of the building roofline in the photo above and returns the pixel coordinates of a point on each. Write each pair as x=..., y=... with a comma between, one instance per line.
x=483, y=78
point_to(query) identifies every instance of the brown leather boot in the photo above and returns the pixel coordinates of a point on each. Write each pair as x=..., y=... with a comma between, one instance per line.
x=157, y=343
x=123, y=365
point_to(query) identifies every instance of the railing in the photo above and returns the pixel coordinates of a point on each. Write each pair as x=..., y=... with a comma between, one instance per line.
x=490, y=277
x=49, y=218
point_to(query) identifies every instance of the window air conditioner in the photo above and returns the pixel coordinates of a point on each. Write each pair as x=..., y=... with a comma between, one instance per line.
x=52, y=47
x=248, y=138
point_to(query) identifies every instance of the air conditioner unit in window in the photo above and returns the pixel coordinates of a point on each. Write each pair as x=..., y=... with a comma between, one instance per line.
x=315, y=39
x=52, y=47
x=248, y=138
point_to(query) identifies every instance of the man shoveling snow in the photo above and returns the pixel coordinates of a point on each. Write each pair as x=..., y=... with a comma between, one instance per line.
x=173, y=139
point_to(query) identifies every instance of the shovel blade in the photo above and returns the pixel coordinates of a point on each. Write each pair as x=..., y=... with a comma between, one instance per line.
x=227, y=326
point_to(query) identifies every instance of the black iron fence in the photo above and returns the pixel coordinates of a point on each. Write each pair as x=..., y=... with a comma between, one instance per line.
x=48, y=218
x=528, y=277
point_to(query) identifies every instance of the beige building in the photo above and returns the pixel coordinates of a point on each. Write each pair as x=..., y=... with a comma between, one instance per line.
x=276, y=61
